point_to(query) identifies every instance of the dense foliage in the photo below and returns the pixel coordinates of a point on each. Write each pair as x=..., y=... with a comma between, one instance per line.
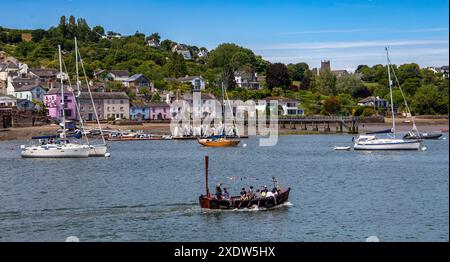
x=426, y=92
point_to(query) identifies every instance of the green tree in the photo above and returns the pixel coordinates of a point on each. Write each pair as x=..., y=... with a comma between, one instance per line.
x=227, y=77
x=429, y=101
x=326, y=83
x=167, y=45
x=38, y=34
x=99, y=30
x=297, y=71
x=348, y=84
x=177, y=66
x=155, y=97
x=277, y=75
x=411, y=85
x=408, y=71
x=331, y=106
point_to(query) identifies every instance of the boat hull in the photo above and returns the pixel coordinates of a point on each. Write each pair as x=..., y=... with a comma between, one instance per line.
x=237, y=203
x=56, y=152
x=422, y=136
x=218, y=143
x=405, y=145
x=97, y=150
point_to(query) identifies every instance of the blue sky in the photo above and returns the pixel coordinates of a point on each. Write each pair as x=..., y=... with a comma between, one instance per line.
x=347, y=32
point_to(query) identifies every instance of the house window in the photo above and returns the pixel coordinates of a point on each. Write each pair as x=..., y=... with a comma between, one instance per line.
x=153, y=110
x=107, y=108
x=121, y=101
x=121, y=108
x=164, y=110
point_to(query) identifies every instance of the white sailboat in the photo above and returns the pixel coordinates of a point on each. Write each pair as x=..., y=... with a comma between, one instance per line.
x=94, y=149
x=60, y=148
x=371, y=142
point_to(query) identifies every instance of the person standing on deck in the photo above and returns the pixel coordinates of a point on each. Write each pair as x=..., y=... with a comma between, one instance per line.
x=218, y=191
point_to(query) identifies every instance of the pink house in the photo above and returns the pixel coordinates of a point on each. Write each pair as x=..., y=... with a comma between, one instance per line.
x=52, y=101
x=159, y=110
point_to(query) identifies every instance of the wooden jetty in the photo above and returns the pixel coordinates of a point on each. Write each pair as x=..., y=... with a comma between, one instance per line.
x=347, y=124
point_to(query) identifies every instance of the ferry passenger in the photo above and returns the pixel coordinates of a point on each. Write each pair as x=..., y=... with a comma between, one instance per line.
x=275, y=191
x=269, y=194
x=250, y=193
x=258, y=193
x=263, y=192
x=226, y=195
x=218, y=191
x=243, y=194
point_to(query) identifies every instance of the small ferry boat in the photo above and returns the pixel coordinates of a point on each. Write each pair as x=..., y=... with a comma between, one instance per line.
x=209, y=201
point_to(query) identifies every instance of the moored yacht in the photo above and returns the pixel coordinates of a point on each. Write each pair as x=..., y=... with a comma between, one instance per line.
x=60, y=148
x=371, y=142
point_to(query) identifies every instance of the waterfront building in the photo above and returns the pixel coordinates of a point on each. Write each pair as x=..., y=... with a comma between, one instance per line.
x=159, y=110
x=109, y=105
x=287, y=106
x=30, y=92
x=52, y=101
x=7, y=101
x=375, y=102
x=139, y=111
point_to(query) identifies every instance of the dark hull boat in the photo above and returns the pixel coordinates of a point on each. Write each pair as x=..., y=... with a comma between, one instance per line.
x=238, y=203
x=422, y=136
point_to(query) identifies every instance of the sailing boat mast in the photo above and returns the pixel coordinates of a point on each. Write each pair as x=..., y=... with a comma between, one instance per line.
x=223, y=109
x=390, y=89
x=62, y=95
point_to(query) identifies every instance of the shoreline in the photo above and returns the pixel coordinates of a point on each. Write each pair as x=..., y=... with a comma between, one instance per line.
x=424, y=125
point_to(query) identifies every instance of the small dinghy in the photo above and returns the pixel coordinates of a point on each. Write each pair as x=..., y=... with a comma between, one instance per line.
x=342, y=148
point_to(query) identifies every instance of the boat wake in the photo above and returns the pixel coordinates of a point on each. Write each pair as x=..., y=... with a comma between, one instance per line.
x=250, y=209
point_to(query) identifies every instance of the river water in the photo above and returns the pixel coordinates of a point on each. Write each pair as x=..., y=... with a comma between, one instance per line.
x=148, y=191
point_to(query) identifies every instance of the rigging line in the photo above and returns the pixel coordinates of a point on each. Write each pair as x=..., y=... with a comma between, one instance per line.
x=92, y=99
x=404, y=99
x=76, y=102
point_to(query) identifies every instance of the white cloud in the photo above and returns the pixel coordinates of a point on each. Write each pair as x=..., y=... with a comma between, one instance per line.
x=326, y=31
x=359, y=30
x=343, y=45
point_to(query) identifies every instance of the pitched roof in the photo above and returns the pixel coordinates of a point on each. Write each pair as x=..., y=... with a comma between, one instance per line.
x=135, y=77
x=44, y=72
x=188, y=78
x=120, y=73
x=7, y=97
x=57, y=90
x=158, y=104
x=27, y=88
x=104, y=95
x=371, y=99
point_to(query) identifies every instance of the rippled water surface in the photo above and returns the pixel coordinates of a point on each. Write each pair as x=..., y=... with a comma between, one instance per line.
x=148, y=191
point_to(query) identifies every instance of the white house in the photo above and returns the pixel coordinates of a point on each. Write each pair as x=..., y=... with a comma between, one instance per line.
x=197, y=82
x=375, y=102
x=30, y=92
x=7, y=101
x=183, y=50
x=118, y=75
x=287, y=106
x=246, y=80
